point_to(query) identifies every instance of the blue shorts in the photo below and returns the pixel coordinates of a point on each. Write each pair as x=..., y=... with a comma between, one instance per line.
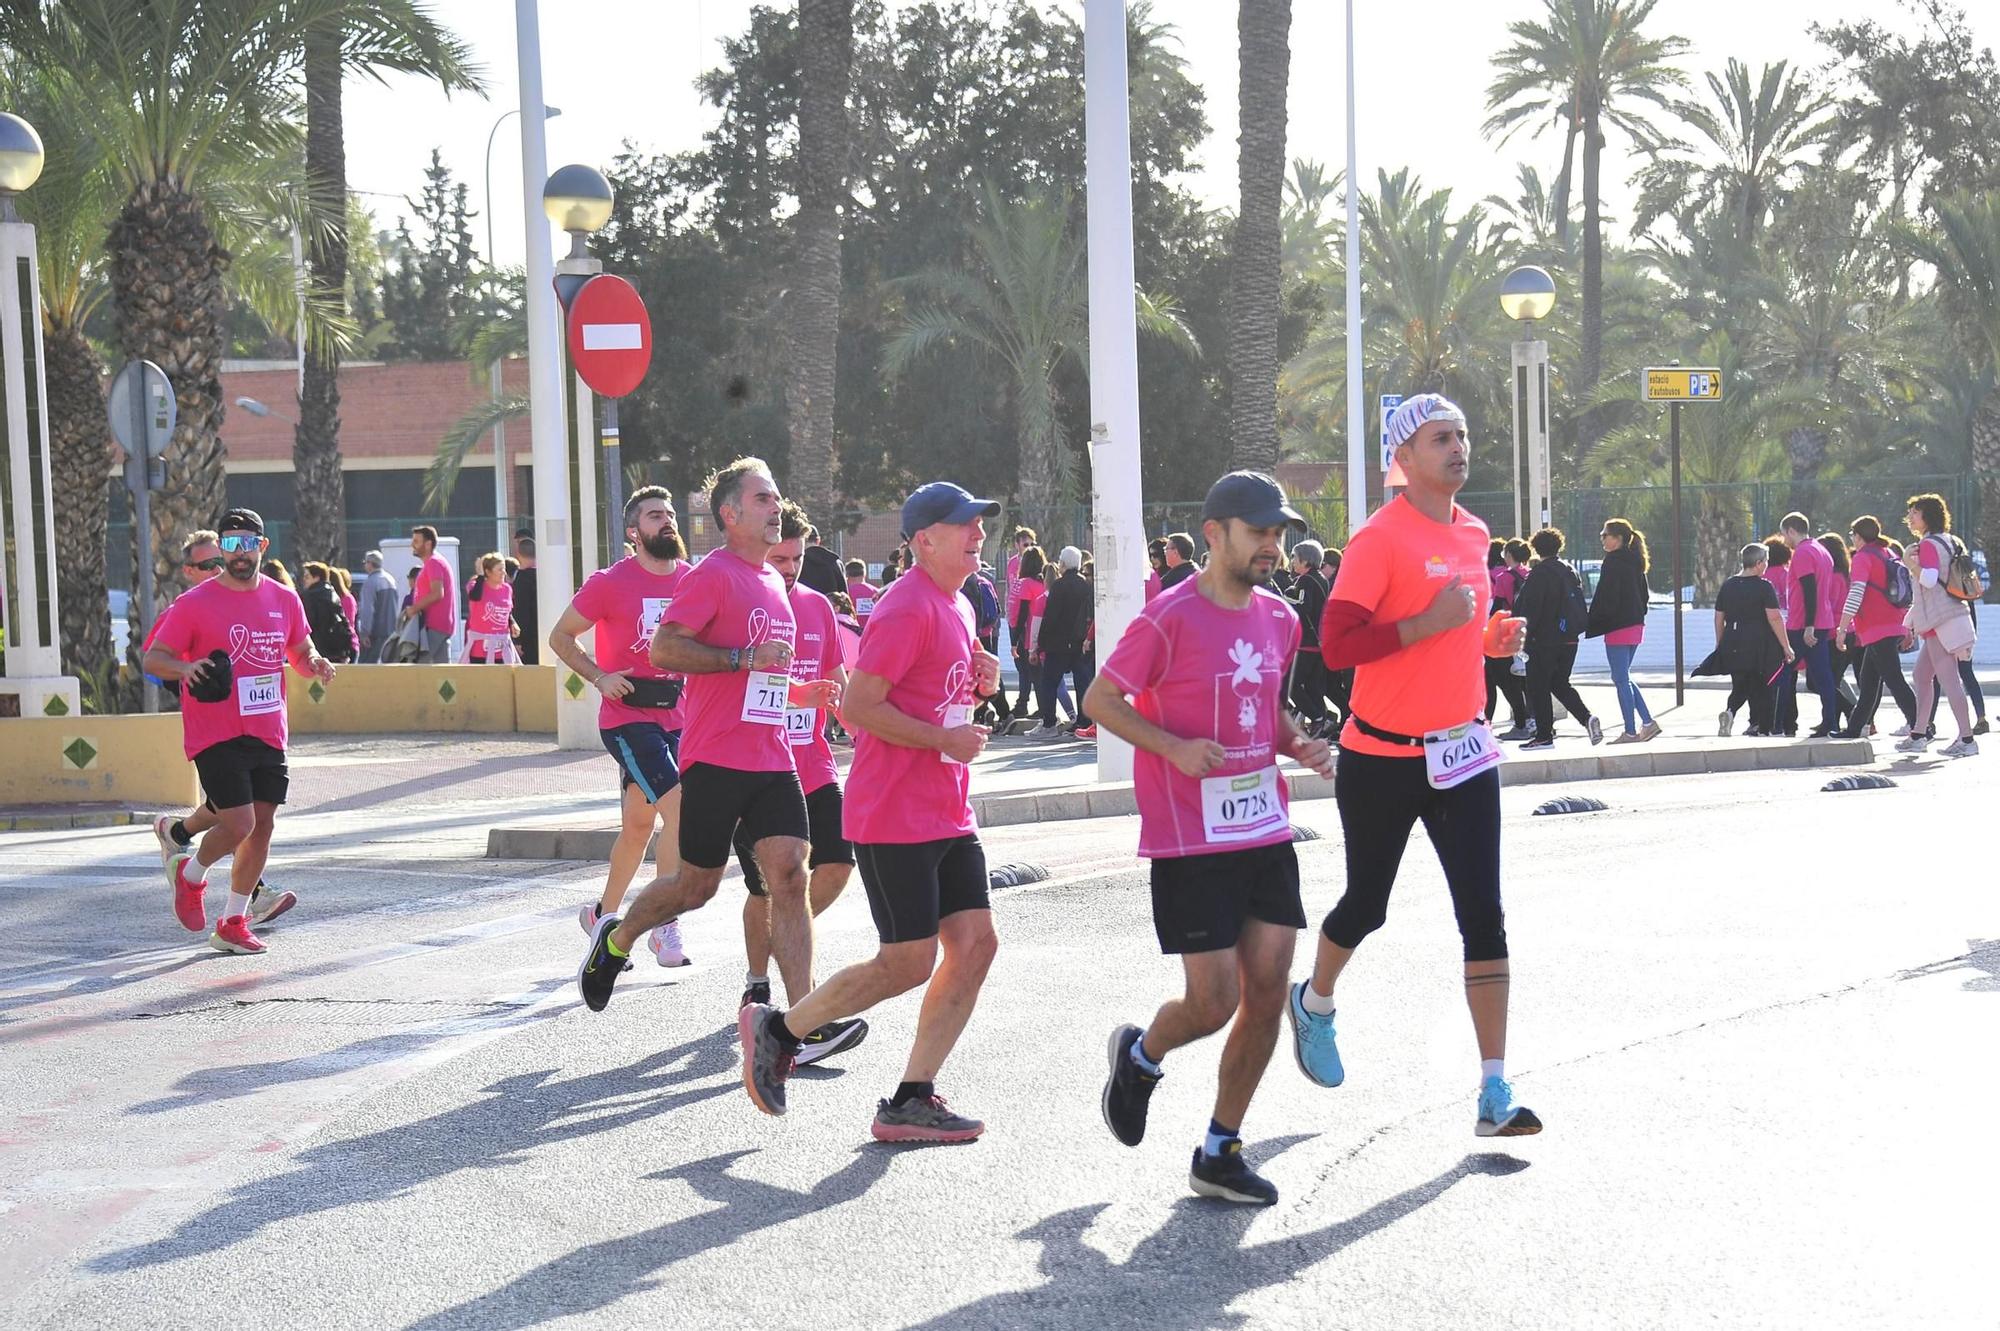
x=648, y=757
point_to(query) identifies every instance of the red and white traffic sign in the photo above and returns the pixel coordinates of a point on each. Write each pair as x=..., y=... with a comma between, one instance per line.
x=610, y=337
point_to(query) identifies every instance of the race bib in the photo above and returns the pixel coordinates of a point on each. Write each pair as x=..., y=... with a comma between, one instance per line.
x=1453, y=757
x=764, y=697
x=955, y=715
x=652, y=609
x=801, y=724
x=257, y=695
x=1243, y=807
x=865, y=606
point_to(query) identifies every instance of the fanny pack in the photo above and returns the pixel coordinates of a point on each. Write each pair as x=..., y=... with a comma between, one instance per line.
x=1390, y=736
x=664, y=694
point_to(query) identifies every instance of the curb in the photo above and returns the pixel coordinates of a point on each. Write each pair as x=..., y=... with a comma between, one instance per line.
x=70, y=822
x=1117, y=800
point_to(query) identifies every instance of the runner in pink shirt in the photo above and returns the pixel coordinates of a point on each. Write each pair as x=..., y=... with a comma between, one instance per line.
x=729, y=629
x=1870, y=618
x=638, y=712
x=861, y=591
x=1197, y=686
x=490, y=627
x=433, y=595
x=1817, y=611
x=227, y=642
x=909, y=815
x=831, y=863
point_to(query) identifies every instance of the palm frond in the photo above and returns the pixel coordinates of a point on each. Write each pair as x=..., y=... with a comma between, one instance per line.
x=441, y=477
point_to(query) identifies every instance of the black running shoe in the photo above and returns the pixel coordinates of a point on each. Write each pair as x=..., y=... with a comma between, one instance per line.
x=1227, y=1177
x=1128, y=1089
x=833, y=1038
x=759, y=992
x=600, y=969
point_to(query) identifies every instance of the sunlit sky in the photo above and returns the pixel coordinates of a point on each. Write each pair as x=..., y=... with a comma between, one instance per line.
x=625, y=69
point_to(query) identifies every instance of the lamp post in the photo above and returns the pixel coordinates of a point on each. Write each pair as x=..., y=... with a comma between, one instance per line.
x=35, y=684
x=1526, y=295
x=493, y=380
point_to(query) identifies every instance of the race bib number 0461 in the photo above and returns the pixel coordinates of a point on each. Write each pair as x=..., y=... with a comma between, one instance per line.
x=259, y=694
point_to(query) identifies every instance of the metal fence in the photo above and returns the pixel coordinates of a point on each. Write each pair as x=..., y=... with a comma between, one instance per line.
x=476, y=536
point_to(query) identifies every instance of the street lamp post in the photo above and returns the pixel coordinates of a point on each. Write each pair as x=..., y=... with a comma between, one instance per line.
x=493, y=379
x=1526, y=295
x=35, y=685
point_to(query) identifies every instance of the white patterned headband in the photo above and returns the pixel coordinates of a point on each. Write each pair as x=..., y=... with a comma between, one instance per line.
x=1408, y=418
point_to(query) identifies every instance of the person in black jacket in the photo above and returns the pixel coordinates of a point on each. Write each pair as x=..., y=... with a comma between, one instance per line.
x=1551, y=602
x=1618, y=615
x=1308, y=596
x=1066, y=622
x=527, y=612
x=332, y=636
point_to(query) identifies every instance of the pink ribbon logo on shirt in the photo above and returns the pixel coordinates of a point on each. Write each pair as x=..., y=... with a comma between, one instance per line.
x=760, y=624
x=956, y=681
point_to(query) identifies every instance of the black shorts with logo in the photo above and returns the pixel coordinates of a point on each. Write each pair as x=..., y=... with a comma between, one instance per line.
x=241, y=771
x=913, y=885
x=648, y=757
x=1201, y=901
x=828, y=845
x=717, y=802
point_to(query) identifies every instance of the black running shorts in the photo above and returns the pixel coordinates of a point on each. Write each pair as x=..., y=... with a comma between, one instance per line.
x=242, y=771
x=1201, y=901
x=828, y=845
x=716, y=800
x=911, y=886
x=648, y=757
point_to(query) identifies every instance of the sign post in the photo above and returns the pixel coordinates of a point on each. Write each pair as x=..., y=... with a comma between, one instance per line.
x=1674, y=385
x=610, y=346
x=143, y=412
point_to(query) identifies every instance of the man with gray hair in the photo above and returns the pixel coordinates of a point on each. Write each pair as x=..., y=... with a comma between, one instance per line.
x=1308, y=596
x=379, y=599
x=1066, y=625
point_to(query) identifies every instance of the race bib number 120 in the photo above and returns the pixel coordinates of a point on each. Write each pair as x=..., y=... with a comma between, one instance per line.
x=799, y=724
x=1243, y=807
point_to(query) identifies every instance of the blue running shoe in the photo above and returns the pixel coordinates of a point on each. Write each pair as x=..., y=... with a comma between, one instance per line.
x=1312, y=1041
x=1499, y=1116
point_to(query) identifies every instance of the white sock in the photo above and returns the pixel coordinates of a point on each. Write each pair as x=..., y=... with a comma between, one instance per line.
x=1316, y=1004
x=194, y=871
x=756, y=979
x=239, y=904
x=1491, y=1067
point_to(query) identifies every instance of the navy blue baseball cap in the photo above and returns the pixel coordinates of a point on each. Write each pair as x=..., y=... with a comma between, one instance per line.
x=1252, y=496
x=941, y=501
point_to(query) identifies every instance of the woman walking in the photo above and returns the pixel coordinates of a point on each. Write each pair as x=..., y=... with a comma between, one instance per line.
x=1500, y=677
x=329, y=629
x=1842, y=661
x=1031, y=597
x=1552, y=603
x=1784, y=689
x=1872, y=618
x=1750, y=642
x=1941, y=618
x=1618, y=615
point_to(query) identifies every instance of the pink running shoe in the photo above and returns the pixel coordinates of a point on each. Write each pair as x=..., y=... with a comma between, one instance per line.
x=188, y=907
x=233, y=935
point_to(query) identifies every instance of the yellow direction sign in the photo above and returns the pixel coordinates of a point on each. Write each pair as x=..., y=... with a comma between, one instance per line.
x=1683, y=383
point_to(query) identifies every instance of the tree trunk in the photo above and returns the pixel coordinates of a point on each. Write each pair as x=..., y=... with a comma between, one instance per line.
x=1559, y=195
x=1042, y=481
x=1719, y=524
x=80, y=455
x=1986, y=475
x=166, y=283
x=1590, y=356
x=1805, y=448
x=826, y=54
x=320, y=495
x=1263, y=69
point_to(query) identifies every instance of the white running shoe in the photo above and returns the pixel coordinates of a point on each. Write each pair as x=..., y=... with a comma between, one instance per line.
x=588, y=917
x=1913, y=744
x=1725, y=721
x=1596, y=729
x=163, y=833
x=666, y=944
x=1965, y=746
x=1901, y=732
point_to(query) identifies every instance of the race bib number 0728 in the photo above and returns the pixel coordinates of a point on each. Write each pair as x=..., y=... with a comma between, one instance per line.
x=1243, y=807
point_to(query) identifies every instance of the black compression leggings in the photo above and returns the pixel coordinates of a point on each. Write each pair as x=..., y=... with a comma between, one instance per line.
x=1381, y=800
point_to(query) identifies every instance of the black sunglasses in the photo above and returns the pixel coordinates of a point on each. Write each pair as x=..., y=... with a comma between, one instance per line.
x=212, y=563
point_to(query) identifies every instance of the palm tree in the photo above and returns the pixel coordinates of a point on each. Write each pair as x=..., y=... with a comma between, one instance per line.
x=1754, y=148
x=1024, y=305
x=1311, y=233
x=1263, y=71
x=826, y=58
x=1587, y=66
x=501, y=337
x=184, y=99
x=1965, y=251
x=399, y=35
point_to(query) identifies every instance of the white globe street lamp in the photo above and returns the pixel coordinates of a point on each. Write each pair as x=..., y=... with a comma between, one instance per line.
x=1526, y=295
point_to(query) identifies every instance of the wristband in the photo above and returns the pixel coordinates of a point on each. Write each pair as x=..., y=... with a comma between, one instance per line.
x=735, y=659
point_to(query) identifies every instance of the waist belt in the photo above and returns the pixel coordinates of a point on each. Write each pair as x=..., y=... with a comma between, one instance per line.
x=1390, y=736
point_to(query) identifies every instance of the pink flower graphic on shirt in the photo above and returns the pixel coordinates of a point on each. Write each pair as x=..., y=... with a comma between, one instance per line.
x=1246, y=682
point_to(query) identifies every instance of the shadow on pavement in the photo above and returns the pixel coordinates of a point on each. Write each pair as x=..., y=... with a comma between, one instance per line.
x=1982, y=956
x=1193, y=1267
x=429, y=787
x=518, y=1115
x=632, y=1263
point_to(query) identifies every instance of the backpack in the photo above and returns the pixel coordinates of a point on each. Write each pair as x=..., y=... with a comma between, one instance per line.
x=1961, y=575
x=1575, y=613
x=985, y=609
x=1896, y=589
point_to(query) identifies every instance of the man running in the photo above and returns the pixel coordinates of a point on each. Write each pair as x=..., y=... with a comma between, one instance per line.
x=201, y=559
x=226, y=642
x=818, y=658
x=729, y=629
x=1204, y=667
x=639, y=715
x=909, y=815
x=1408, y=614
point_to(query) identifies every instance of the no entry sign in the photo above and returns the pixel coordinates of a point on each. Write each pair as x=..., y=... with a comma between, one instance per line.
x=610, y=337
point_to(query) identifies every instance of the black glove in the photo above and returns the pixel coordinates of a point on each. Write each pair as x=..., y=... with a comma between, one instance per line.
x=214, y=685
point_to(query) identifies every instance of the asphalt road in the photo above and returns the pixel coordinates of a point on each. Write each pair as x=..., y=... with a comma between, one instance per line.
x=1758, y=1019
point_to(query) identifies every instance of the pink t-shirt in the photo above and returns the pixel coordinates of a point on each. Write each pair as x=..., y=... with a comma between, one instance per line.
x=1152, y=585
x=921, y=641
x=1035, y=594
x=1781, y=579
x=260, y=629
x=1877, y=619
x=441, y=616
x=1200, y=671
x=1811, y=559
x=727, y=602
x=494, y=610
x=626, y=603
x=1630, y=636
x=816, y=657
x=863, y=594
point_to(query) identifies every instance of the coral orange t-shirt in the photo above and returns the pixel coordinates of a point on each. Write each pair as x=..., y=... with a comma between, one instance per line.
x=1393, y=568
